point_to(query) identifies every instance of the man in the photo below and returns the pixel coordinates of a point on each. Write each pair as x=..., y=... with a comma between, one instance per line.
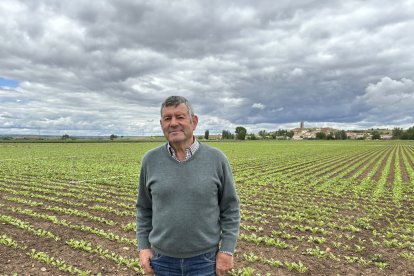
x=188, y=212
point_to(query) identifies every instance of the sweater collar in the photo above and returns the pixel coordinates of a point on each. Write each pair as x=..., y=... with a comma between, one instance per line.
x=188, y=151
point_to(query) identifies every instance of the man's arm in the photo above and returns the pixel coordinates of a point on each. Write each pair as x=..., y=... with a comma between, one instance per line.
x=229, y=220
x=144, y=212
x=144, y=223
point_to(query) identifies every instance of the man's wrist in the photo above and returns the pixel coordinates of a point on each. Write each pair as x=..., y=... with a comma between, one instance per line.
x=226, y=252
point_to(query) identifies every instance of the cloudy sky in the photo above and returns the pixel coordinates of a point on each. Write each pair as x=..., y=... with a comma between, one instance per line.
x=102, y=67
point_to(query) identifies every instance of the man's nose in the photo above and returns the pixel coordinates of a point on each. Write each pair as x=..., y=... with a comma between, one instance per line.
x=173, y=121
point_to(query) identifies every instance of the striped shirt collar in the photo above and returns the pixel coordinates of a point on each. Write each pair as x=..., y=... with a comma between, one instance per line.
x=188, y=151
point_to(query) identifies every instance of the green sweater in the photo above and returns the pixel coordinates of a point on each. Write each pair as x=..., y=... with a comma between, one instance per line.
x=187, y=209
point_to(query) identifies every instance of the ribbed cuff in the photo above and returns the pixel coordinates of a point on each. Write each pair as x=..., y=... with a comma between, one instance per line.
x=227, y=246
x=143, y=243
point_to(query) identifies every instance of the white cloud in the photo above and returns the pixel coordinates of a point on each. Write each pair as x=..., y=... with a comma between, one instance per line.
x=297, y=72
x=390, y=101
x=258, y=106
x=389, y=92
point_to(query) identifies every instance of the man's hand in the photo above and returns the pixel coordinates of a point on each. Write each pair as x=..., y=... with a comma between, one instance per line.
x=224, y=262
x=145, y=256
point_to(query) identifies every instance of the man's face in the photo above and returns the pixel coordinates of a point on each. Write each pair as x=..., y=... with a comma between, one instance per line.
x=177, y=125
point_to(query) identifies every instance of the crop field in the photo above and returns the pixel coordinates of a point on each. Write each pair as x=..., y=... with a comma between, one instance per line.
x=307, y=207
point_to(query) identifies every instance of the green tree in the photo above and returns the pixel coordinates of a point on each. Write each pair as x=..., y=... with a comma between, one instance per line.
x=206, y=134
x=263, y=133
x=410, y=133
x=320, y=135
x=113, y=136
x=330, y=136
x=375, y=135
x=240, y=133
x=342, y=134
x=65, y=136
x=396, y=133
x=282, y=134
x=252, y=137
x=226, y=134
x=404, y=136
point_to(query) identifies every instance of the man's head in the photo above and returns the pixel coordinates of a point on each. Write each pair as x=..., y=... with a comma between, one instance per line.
x=178, y=120
x=177, y=100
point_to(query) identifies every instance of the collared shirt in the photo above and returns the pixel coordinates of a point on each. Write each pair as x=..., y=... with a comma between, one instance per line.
x=188, y=151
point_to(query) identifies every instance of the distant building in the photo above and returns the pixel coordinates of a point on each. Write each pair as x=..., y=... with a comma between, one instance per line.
x=309, y=133
x=386, y=136
x=355, y=136
x=301, y=133
x=358, y=135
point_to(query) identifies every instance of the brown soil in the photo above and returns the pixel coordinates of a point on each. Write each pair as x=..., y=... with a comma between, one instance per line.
x=404, y=172
x=378, y=173
x=59, y=249
x=390, y=177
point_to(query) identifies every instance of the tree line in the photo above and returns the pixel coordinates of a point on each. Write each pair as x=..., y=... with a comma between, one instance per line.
x=241, y=134
x=400, y=134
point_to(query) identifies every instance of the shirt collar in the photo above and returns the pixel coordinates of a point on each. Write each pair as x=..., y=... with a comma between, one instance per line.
x=188, y=151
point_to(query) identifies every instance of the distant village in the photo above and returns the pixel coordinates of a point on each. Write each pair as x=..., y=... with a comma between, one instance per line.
x=301, y=133
x=316, y=133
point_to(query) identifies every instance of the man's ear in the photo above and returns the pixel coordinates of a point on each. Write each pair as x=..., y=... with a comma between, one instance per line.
x=195, y=121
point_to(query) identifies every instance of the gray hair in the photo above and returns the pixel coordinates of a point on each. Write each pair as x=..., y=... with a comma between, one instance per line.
x=177, y=100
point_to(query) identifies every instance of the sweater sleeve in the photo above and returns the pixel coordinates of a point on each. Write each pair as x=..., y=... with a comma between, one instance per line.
x=229, y=210
x=144, y=211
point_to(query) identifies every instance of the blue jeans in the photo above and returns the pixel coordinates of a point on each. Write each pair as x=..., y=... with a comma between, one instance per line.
x=201, y=265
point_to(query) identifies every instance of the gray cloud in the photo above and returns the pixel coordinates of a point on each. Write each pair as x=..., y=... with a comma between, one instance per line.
x=105, y=67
